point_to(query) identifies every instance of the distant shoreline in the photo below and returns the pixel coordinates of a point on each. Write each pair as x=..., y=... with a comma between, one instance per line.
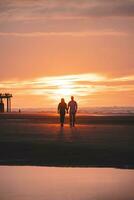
x=90, y=110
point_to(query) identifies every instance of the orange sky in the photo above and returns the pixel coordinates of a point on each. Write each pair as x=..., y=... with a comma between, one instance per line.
x=88, y=43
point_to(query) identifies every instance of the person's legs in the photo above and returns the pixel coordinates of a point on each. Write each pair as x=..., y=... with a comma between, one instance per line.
x=70, y=116
x=73, y=121
x=62, y=117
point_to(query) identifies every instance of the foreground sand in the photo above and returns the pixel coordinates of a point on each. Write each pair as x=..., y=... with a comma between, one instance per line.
x=37, y=139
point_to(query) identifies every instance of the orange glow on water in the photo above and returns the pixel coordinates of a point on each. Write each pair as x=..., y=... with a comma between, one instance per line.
x=65, y=183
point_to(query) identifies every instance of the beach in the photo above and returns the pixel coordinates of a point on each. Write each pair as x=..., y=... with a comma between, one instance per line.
x=38, y=140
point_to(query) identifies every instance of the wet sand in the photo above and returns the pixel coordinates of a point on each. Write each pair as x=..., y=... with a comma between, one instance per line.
x=96, y=141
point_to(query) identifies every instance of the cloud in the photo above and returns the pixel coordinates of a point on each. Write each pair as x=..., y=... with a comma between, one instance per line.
x=72, y=34
x=78, y=85
x=62, y=9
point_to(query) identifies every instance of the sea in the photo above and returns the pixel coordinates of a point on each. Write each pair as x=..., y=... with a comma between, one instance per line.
x=114, y=110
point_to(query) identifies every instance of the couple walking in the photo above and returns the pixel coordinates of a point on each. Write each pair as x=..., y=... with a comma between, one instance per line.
x=71, y=108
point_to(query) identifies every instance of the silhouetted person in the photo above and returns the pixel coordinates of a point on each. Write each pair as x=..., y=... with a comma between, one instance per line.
x=72, y=107
x=62, y=109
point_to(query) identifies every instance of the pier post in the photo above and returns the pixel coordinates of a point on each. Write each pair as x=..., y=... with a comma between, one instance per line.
x=6, y=96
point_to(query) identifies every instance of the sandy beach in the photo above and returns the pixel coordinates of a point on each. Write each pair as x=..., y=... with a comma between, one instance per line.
x=38, y=139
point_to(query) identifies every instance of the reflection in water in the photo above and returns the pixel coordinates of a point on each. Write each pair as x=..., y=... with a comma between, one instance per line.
x=45, y=183
x=67, y=134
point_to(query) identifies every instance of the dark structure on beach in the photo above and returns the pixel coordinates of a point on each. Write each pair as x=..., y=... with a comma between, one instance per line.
x=8, y=97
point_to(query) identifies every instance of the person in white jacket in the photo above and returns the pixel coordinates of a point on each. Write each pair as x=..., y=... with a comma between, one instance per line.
x=72, y=108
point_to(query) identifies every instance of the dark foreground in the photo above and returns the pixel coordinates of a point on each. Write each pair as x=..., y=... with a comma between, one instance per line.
x=96, y=141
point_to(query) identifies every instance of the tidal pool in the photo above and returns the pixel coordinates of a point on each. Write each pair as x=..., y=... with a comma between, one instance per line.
x=55, y=183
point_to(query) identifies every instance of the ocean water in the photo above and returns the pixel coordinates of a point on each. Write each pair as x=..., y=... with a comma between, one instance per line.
x=115, y=110
x=109, y=110
x=51, y=183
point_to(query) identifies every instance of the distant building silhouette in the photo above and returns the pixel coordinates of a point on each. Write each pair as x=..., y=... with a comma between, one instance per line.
x=8, y=97
x=1, y=106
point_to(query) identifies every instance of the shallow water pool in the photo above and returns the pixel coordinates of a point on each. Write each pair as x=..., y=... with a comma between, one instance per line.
x=54, y=183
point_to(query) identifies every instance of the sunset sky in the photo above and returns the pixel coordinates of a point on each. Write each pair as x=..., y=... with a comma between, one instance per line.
x=56, y=48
